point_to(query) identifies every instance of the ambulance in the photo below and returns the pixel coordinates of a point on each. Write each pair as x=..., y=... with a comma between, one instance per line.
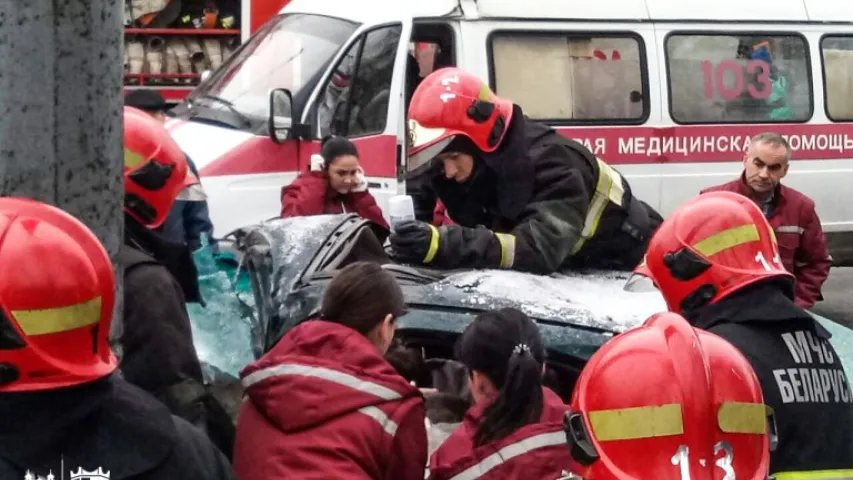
x=666, y=91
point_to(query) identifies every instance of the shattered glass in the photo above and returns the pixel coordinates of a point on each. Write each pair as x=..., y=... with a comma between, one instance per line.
x=222, y=328
x=842, y=341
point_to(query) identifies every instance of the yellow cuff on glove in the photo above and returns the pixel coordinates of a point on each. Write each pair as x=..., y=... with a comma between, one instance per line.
x=433, y=245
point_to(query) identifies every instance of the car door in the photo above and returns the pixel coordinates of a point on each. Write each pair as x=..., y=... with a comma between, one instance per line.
x=361, y=98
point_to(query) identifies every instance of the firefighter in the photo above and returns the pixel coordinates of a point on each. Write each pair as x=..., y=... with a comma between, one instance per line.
x=523, y=196
x=63, y=404
x=159, y=278
x=705, y=418
x=716, y=262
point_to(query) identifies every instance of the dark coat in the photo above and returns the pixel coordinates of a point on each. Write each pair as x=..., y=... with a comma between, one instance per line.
x=108, y=424
x=539, y=189
x=801, y=375
x=158, y=353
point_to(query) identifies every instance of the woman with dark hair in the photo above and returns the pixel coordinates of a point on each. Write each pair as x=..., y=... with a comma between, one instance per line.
x=515, y=428
x=324, y=402
x=335, y=184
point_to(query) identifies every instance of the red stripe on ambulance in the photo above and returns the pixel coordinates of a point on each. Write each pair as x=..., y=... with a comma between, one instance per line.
x=259, y=155
x=718, y=143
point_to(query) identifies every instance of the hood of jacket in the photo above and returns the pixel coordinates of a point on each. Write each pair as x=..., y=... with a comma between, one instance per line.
x=321, y=371
x=764, y=302
x=176, y=257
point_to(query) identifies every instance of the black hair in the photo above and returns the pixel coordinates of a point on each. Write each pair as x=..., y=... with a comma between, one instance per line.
x=445, y=408
x=408, y=362
x=333, y=147
x=505, y=346
x=361, y=295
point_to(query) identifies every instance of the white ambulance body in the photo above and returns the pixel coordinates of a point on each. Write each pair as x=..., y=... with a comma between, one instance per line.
x=664, y=90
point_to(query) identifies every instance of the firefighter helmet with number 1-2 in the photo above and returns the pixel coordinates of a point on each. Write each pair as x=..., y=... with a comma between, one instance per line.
x=712, y=246
x=450, y=102
x=666, y=401
x=56, y=299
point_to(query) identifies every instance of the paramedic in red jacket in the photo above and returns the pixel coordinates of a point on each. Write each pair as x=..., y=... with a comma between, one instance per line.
x=335, y=184
x=324, y=403
x=802, y=245
x=515, y=428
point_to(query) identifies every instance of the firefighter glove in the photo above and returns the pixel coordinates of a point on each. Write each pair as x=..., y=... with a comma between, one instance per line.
x=414, y=242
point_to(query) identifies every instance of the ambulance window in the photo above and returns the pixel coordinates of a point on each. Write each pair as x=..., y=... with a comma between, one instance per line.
x=837, y=53
x=749, y=77
x=287, y=52
x=560, y=77
x=355, y=101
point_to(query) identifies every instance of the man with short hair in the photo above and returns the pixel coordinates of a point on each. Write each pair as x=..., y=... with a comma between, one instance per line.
x=802, y=245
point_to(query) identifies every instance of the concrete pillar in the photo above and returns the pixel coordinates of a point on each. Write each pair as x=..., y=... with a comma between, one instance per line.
x=60, y=108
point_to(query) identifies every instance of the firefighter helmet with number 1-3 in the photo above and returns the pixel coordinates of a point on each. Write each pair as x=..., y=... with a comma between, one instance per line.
x=713, y=245
x=666, y=401
x=56, y=299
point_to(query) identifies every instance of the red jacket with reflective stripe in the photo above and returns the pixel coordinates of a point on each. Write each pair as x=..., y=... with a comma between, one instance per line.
x=802, y=244
x=534, y=452
x=307, y=195
x=324, y=403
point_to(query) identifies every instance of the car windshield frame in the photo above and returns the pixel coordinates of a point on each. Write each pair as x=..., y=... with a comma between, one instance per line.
x=320, y=47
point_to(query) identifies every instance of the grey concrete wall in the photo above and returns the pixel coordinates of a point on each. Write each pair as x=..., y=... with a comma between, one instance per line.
x=60, y=108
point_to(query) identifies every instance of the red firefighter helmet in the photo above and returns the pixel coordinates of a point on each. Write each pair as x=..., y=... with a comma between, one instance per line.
x=450, y=102
x=56, y=299
x=668, y=402
x=155, y=169
x=711, y=246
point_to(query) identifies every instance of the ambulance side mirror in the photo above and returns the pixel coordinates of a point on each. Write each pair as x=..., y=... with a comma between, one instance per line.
x=281, y=114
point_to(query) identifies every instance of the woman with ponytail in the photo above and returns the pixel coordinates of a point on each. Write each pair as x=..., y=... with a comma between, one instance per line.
x=515, y=427
x=335, y=184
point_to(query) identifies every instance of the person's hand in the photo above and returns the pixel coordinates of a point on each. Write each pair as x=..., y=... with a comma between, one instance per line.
x=359, y=182
x=414, y=242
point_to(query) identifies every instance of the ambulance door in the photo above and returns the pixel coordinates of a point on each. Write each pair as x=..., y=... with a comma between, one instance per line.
x=361, y=97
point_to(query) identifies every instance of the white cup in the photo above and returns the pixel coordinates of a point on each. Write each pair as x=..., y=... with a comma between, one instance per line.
x=401, y=208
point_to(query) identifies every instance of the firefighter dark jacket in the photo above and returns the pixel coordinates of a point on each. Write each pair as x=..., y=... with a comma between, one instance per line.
x=158, y=351
x=544, y=203
x=107, y=425
x=800, y=374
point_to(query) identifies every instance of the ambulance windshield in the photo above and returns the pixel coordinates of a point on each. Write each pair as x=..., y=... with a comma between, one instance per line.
x=290, y=52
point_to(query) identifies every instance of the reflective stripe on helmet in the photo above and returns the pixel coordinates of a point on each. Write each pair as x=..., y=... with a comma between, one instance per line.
x=132, y=159
x=507, y=242
x=608, y=188
x=740, y=417
x=60, y=319
x=846, y=474
x=727, y=239
x=636, y=422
